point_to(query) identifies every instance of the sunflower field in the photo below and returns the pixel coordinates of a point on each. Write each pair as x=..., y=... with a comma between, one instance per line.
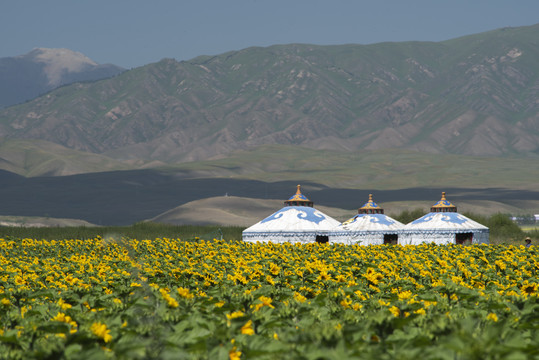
x=170, y=299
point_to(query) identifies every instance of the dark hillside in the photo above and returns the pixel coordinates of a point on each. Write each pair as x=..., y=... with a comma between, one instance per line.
x=126, y=197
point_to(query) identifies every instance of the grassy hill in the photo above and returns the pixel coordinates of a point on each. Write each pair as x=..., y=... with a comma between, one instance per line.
x=40, y=158
x=381, y=170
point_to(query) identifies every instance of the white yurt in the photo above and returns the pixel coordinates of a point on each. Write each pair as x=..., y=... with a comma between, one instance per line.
x=297, y=221
x=444, y=225
x=369, y=227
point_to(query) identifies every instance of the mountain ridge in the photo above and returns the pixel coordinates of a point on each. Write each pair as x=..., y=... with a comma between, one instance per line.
x=471, y=96
x=24, y=77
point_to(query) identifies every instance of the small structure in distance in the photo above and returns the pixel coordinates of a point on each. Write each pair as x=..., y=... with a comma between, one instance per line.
x=369, y=227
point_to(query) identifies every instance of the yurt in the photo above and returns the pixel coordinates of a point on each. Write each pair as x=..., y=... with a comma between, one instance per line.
x=369, y=227
x=444, y=225
x=297, y=221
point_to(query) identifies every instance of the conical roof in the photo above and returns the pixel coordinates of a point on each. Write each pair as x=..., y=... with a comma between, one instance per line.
x=295, y=218
x=444, y=216
x=444, y=221
x=371, y=222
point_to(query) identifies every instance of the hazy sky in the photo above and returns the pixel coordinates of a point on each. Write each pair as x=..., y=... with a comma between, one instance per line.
x=133, y=33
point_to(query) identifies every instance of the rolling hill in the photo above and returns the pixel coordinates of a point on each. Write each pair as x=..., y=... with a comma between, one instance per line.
x=126, y=197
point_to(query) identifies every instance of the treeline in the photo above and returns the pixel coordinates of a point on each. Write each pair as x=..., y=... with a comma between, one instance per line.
x=142, y=230
x=502, y=230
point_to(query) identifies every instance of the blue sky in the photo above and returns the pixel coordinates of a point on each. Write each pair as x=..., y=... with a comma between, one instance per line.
x=133, y=33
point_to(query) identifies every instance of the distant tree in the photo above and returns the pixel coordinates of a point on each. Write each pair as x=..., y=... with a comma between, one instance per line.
x=482, y=219
x=502, y=227
x=407, y=216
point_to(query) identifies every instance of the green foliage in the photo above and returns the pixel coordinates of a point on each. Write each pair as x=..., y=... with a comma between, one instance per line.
x=168, y=299
x=142, y=230
x=503, y=229
x=408, y=216
x=534, y=234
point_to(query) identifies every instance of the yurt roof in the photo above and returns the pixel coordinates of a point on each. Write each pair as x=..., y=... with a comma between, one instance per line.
x=295, y=218
x=292, y=217
x=443, y=216
x=444, y=221
x=371, y=222
x=371, y=217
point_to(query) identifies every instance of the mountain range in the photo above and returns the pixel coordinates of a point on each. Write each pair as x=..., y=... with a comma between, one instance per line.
x=27, y=76
x=461, y=113
x=475, y=95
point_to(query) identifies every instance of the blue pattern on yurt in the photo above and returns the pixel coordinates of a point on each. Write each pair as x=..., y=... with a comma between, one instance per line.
x=454, y=218
x=276, y=215
x=444, y=203
x=380, y=219
x=373, y=218
x=298, y=197
x=306, y=213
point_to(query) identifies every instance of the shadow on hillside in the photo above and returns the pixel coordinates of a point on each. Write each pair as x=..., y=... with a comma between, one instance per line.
x=126, y=197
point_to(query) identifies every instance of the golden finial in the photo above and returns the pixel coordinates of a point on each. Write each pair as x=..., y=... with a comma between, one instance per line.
x=443, y=205
x=298, y=199
x=370, y=207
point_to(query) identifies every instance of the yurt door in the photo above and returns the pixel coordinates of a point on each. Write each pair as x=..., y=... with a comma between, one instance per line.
x=322, y=239
x=464, y=238
x=392, y=239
